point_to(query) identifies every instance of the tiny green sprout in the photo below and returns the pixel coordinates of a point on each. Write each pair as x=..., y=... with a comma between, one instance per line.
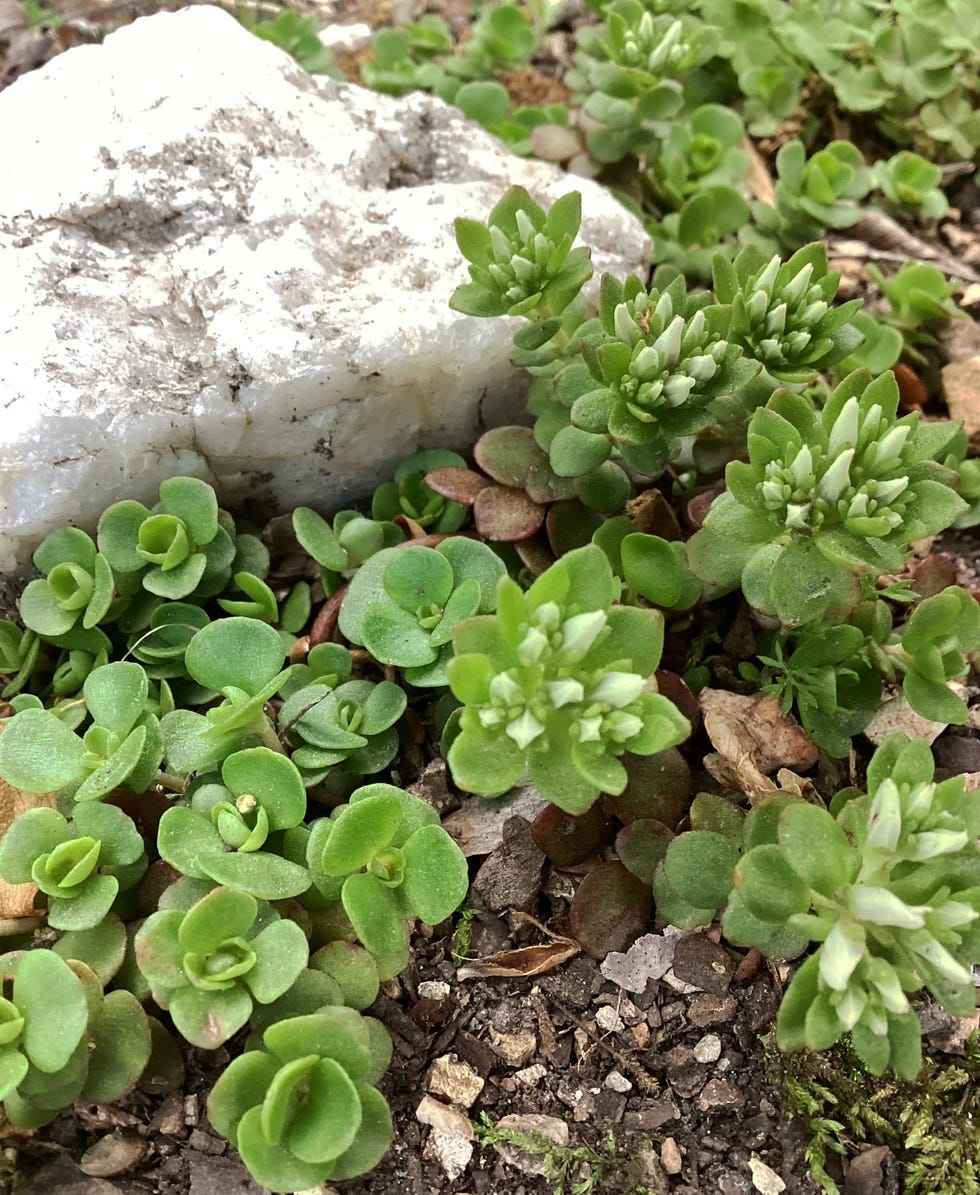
x=242, y=660
x=401, y=59
x=941, y=633
x=888, y=889
x=303, y=1110
x=920, y=298
x=782, y=312
x=385, y=856
x=122, y=746
x=907, y=180
x=205, y=966
x=665, y=355
x=404, y=603
x=81, y=865
x=178, y=548
x=220, y=834
x=407, y=494
x=78, y=588
x=256, y=601
x=522, y=261
x=341, y=549
x=559, y=683
x=352, y=725
x=826, y=499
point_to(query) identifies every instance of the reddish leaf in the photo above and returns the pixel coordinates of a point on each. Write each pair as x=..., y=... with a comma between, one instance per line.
x=672, y=686
x=642, y=845
x=610, y=910
x=567, y=840
x=535, y=555
x=659, y=787
x=457, y=484
x=555, y=142
x=504, y=515
x=508, y=453
x=571, y=525
x=697, y=508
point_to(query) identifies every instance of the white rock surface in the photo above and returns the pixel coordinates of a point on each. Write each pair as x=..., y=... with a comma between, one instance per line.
x=212, y=263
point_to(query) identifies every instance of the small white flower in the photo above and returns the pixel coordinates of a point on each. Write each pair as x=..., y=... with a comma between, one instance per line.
x=935, y=842
x=885, y=817
x=590, y=729
x=837, y=478
x=618, y=689
x=624, y=325
x=844, y=433
x=669, y=341
x=532, y=646
x=883, y=907
x=798, y=516
x=505, y=690
x=797, y=285
x=622, y=726
x=802, y=467
x=891, y=444
x=564, y=692
x=664, y=310
x=677, y=389
x=579, y=632
x=525, y=225
x=525, y=729
x=840, y=954
x=767, y=279
x=888, y=491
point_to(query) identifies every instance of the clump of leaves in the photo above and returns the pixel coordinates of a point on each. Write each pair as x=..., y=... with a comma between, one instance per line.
x=826, y=499
x=303, y=1109
x=407, y=494
x=341, y=548
x=207, y=964
x=888, y=889
x=298, y=36
x=385, y=856
x=78, y=588
x=558, y=684
x=907, y=180
x=919, y=298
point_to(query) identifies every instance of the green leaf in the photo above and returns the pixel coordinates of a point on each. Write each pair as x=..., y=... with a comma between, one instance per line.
x=699, y=866
x=102, y=948
x=51, y=997
x=360, y=832
x=220, y=915
x=816, y=847
x=574, y=452
x=804, y=585
x=34, y=833
x=122, y=843
x=325, y=1124
x=281, y=954
x=240, y=1086
x=257, y=873
x=119, y=1042
x=770, y=888
x=375, y=913
x=235, y=653
x=393, y=636
x=13, y=1069
x=791, y=1020
x=484, y=763
x=417, y=577
x=39, y=753
x=372, y=1141
x=208, y=1019
x=436, y=874
x=272, y=779
x=194, y=502
x=338, y=1033
x=353, y=969
x=116, y=769
x=118, y=535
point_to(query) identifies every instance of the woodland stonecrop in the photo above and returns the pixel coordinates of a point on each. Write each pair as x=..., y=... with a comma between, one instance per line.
x=825, y=499
x=221, y=832
x=908, y=180
x=178, y=548
x=79, y=588
x=558, y=684
x=782, y=313
x=206, y=965
x=664, y=356
x=341, y=548
x=522, y=261
x=407, y=494
x=122, y=745
x=386, y=857
x=403, y=604
x=889, y=888
x=303, y=1109
x=80, y=866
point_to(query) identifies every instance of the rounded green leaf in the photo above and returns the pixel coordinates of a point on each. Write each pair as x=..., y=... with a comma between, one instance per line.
x=281, y=954
x=208, y=1019
x=484, y=763
x=41, y=612
x=373, y=1139
x=418, y=577
x=102, y=948
x=769, y=886
x=326, y=1122
x=36, y=832
x=115, y=695
x=184, y=837
x=275, y=1166
x=816, y=847
x=119, y=1041
x=88, y=908
x=118, y=535
x=122, y=843
x=436, y=874
x=258, y=873
x=220, y=915
x=235, y=653
x=316, y=537
x=240, y=1086
x=13, y=1068
x=51, y=997
x=700, y=866
x=272, y=779
x=393, y=636
x=338, y=1033
x=39, y=753
x=354, y=970
x=359, y=833
x=375, y=913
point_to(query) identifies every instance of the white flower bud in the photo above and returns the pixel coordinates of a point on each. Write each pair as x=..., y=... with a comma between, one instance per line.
x=757, y=306
x=858, y=508
x=798, y=516
x=885, y=817
x=647, y=363
x=891, y=445
x=505, y=690
x=802, y=467
x=695, y=329
x=947, y=966
x=797, y=285
x=525, y=729
x=677, y=389
x=883, y=907
x=840, y=954
x=702, y=368
x=532, y=647
x=664, y=310
x=719, y=349
x=773, y=493
x=919, y=801
x=814, y=312
x=625, y=325
x=547, y=616
x=888, y=491
x=579, y=632
x=952, y=915
x=886, y=982
x=669, y=341
x=621, y=727
x=776, y=320
x=618, y=689
x=837, y=478
x=935, y=842
x=844, y=433
x=525, y=225
x=564, y=692
x=590, y=729
x=767, y=279
x=490, y=717
x=502, y=248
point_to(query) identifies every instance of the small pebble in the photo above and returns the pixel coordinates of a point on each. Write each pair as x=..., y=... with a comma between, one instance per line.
x=618, y=1082
x=764, y=1179
x=112, y=1155
x=515, y=1049
x=433, y=989
x=530, y=1076
x=670, y=1156
x=456, y=1081
x=609, y=1020
x=708, y=1048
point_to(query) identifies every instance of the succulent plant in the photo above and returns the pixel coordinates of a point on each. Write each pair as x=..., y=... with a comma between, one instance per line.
x=888, y=887
x=908, y=181
x=302, y=1110
x=78, y=588
x=207, y=964
x=80, y=866
x=559, y=684
x=182, y=546
x=700, y=151
x=404, y=603
x=825, y=499
x=782, y=314
x=340, y=549
x=20, y=651
x=408, y=495
x=385, y=856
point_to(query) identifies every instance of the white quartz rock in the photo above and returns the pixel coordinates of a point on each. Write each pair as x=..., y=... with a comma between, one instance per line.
x=212, y=263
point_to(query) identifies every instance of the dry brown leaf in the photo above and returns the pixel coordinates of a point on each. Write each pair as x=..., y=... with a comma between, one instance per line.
x=878, y=237
x=752, y=738
x=523, y=963
x=758, y=177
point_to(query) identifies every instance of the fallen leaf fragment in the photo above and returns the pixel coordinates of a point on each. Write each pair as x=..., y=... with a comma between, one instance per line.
x=897, y=716
x=523, y=963
x=17, y=900
x=865, y=1175
x=650, y=957
x=961, y=389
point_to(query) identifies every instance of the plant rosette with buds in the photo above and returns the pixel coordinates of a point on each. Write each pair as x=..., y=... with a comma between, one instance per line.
x=826, y=498
x=207, y=964
x=558, y=684
x=888, y=887
x=304, y=1109
x=387, y=859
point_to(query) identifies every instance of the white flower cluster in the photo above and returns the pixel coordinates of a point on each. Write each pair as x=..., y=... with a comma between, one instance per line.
x=784, y=322
x=521, y=267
